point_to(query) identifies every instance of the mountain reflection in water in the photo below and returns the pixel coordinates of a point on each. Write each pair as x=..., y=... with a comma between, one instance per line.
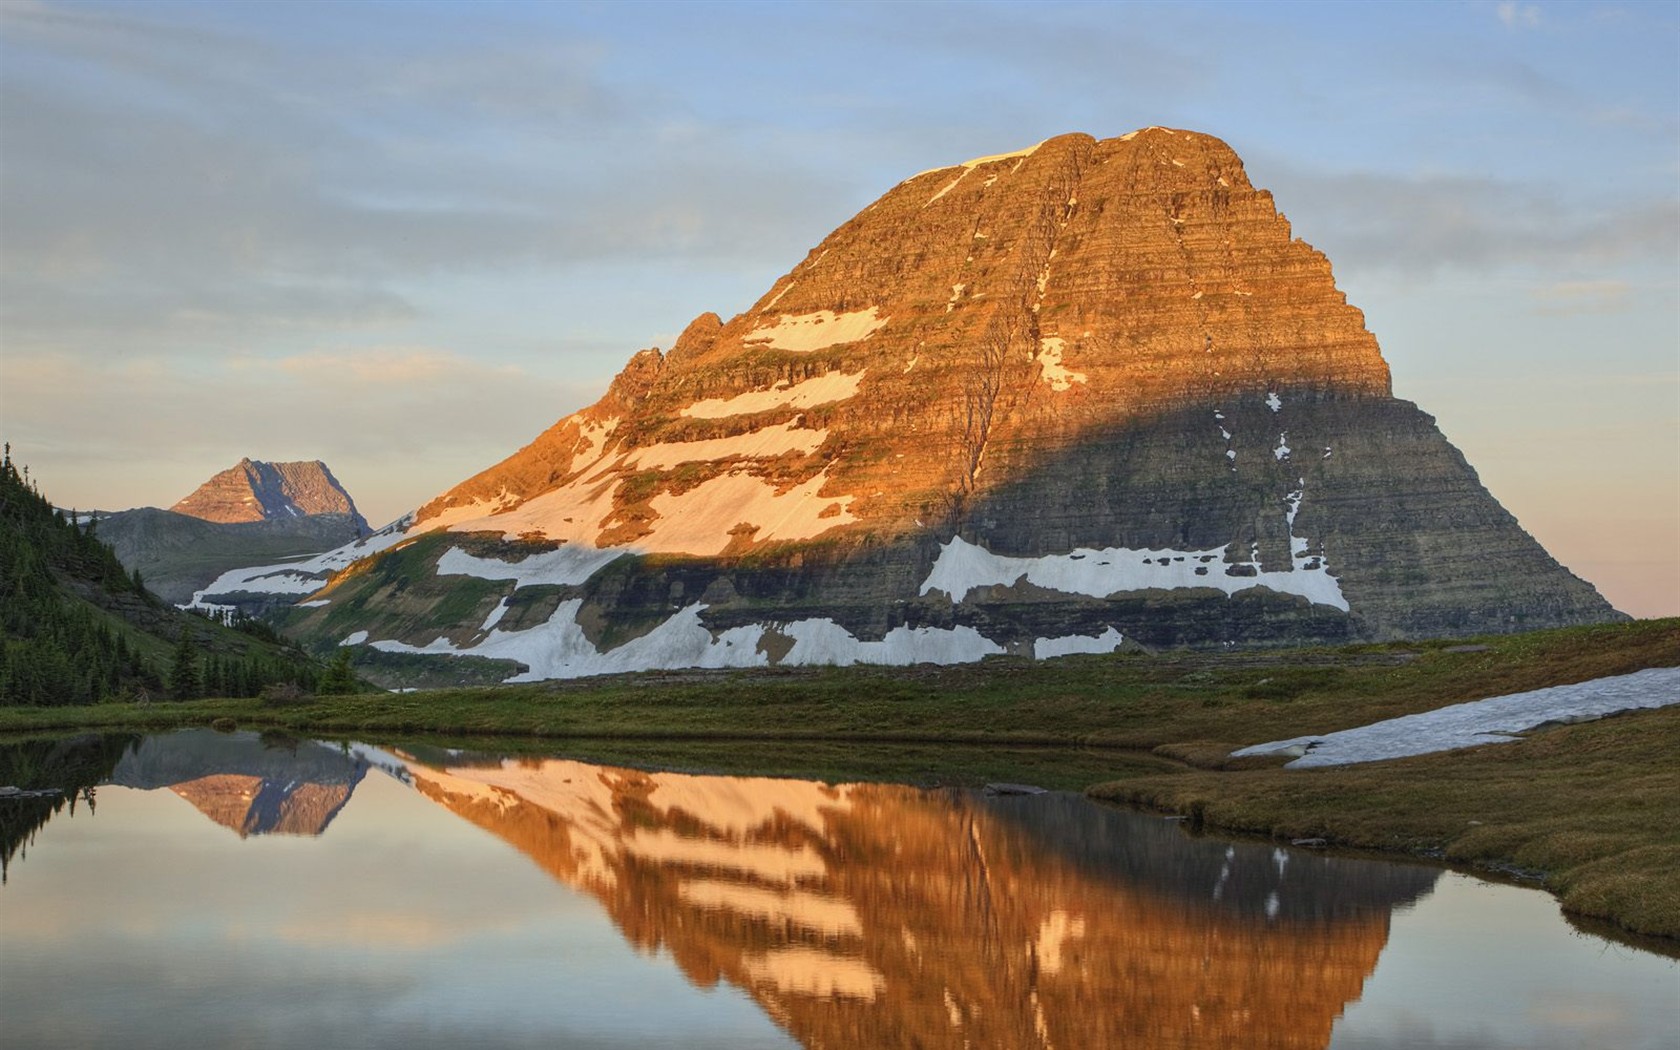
x=253, y=785
x=879, y=915
x=884, y=915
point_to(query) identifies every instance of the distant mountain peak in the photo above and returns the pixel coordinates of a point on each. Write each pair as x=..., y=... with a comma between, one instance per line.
x=255, y=490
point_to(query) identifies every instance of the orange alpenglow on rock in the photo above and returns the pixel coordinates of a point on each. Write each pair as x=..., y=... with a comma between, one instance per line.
x=885, y=915
x=252, y=490
x=1038, y=403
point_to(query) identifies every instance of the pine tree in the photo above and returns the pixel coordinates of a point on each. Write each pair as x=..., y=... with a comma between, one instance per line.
x=186, y=676
x=339, y=679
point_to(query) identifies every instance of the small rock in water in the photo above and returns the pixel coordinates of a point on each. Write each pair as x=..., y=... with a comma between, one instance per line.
x=1309, y=843
x=8, y=790
x=1013, y=789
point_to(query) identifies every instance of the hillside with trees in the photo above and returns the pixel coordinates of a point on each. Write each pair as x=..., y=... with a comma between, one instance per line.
x=75, y=628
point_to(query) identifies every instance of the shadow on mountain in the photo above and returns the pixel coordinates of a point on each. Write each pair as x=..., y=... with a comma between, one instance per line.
x=1386, y=505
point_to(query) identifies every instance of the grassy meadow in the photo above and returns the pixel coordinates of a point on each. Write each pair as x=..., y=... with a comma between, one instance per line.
x=1593, y=810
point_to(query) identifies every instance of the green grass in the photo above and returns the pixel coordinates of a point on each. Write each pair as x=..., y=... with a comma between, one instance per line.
x=1595, y=807
x=1593, y=810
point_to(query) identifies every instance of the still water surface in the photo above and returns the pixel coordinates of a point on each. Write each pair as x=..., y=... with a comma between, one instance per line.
x=221, y=891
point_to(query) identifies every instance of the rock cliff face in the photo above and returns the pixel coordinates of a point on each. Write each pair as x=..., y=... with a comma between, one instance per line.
x=252, y=490
x=1043, y=402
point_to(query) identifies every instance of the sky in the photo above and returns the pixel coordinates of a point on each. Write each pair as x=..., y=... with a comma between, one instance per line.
x=406, y=238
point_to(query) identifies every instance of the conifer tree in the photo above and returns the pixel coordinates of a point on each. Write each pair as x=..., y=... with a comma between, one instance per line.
x=186, y=676
x=339, y=679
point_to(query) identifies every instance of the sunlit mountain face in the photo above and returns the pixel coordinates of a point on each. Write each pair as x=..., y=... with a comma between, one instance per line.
x=884, y=915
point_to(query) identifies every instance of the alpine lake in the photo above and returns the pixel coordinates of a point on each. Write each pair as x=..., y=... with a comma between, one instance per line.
x=199, y=888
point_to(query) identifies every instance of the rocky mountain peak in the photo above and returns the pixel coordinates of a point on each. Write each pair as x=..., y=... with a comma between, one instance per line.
x=1084, y=394
x=254, y=490
x=957, y=332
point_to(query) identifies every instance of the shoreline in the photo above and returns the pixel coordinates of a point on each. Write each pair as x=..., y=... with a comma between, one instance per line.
x=1594, y=806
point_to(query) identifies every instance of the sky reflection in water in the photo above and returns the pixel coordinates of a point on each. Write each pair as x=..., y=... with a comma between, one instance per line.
x=371, y=899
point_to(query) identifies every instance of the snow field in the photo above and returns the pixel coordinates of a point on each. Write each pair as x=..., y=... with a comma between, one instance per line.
x=1497, y=720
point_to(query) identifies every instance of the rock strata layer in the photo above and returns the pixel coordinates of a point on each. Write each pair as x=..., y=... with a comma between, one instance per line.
x=1088, y=394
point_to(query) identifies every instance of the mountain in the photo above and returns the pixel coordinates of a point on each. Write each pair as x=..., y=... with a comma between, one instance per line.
x=1089, y=394
x=251, y=512
x=252, y=490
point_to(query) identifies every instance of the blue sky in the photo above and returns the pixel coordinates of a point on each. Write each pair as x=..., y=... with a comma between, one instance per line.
x=405, y=238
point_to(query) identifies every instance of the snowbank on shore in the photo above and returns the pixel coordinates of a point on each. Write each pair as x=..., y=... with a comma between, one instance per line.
x=1497, y=720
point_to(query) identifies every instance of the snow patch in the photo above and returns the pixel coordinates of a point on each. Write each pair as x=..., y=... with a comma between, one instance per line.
x=823, y=390
x=304, y=576
x=1281, y=452
x=314, y=604
x=559, y=649
x=1274, y=402
x=826, y=642
x=963, y=567
x=970, y=165
x=1496, y=720
x=1050, y=365
x=495, y=616
x=807, y=333
x=1047, y=648
x=766, y=443
x=355, y=638
x=478, y=508
x=701, y=520
x=566, y=566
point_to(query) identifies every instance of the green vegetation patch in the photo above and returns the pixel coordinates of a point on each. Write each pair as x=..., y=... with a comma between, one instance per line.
x=1594, y=807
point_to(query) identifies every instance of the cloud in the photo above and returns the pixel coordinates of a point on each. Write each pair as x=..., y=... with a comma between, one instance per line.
x=177, y=187
x=1426, y=224
x=1518, y=16
x=1584, y=297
